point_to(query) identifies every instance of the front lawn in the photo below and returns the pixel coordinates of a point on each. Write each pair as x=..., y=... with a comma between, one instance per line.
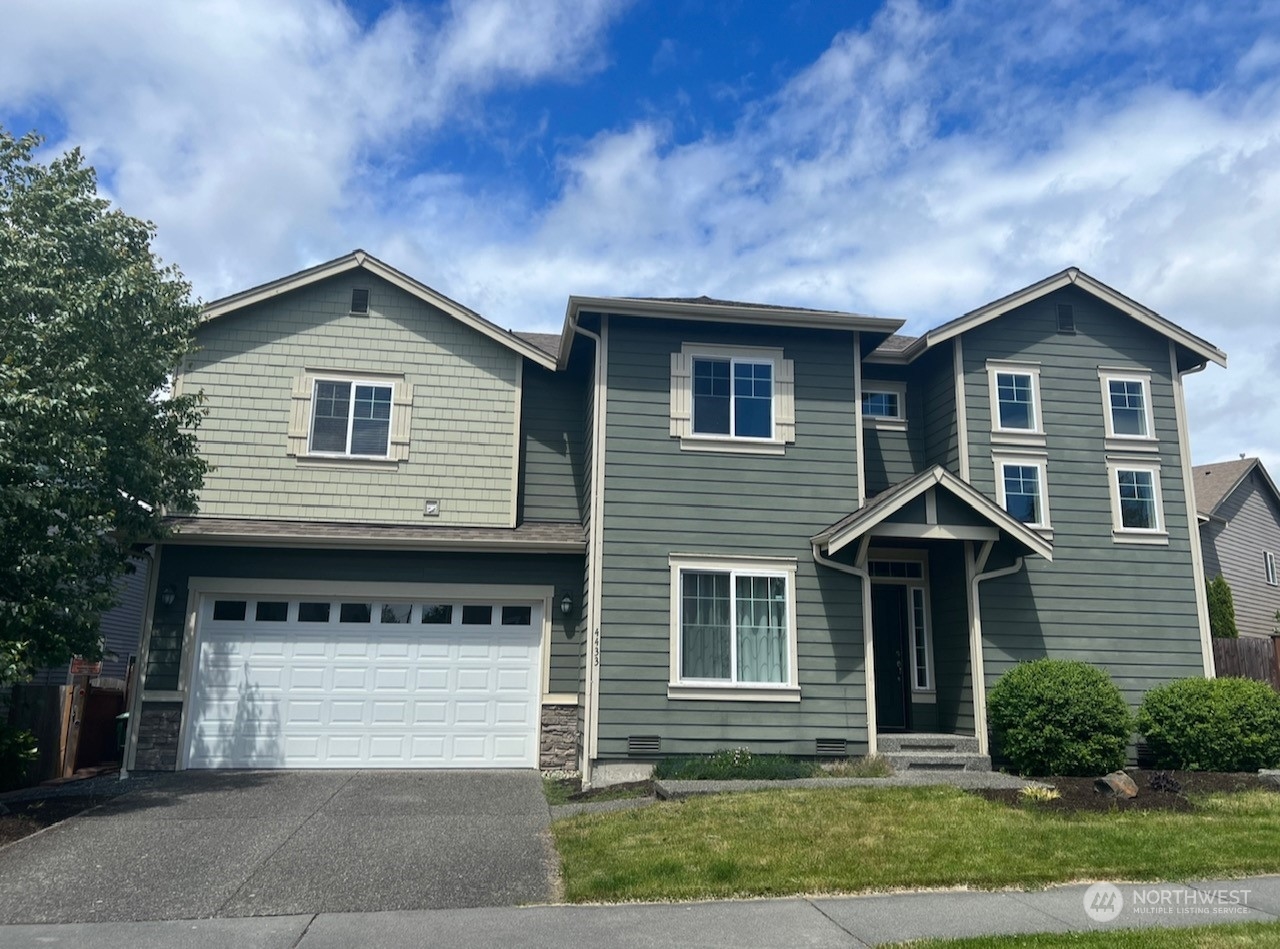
x=846, y=840
x=1224, y=936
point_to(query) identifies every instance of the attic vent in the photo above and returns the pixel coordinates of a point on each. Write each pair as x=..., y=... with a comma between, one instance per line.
x=640, y=745
x=359, y=300
x=1066, y=318
x=831, y=748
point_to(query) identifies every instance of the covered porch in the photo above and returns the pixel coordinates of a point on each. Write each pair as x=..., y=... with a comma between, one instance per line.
x=921, y=551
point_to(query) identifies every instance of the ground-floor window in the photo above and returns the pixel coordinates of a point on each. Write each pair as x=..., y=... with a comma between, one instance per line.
x=733, y=624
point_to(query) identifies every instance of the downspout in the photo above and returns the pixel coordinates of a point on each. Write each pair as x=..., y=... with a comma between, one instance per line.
x=868, y=641
x=595, y=542
x=973, y=566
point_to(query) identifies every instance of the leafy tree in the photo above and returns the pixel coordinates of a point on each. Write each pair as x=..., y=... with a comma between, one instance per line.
x=92, y=452
x=1222, y=609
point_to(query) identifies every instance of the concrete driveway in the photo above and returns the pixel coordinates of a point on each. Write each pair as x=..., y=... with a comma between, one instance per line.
x=255, y=843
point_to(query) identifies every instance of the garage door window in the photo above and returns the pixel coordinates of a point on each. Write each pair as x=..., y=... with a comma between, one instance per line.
x=477, y=615
x=355, y=613
x=271, y=611
x=228, y=611
x=396, y=612
x=313, y=612
x=517, y=616
x=437, y=613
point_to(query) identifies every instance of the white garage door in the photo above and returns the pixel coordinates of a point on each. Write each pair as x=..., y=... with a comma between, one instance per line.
x=315, y=683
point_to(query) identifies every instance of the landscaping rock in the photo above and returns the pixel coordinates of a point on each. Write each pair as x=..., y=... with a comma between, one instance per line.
x=1116, y=784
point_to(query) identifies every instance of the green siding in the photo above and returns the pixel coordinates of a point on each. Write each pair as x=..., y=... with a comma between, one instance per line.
x=178, y=563
x=462, y=439
x=950, y=611
x=893, y=455
x=552, y=449
x=1130, y=609
x=936, y=374
x=660, y=499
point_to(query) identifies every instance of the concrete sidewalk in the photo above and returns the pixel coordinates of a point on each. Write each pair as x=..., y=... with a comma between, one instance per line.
x=745, y=924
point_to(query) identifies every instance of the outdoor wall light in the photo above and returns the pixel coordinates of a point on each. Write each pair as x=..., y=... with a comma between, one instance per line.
x=168, y=595
x=566, y=605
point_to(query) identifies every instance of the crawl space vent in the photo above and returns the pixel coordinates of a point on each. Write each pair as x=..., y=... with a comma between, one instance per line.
x=359, y=300
x=831, y=748
x=638, y=745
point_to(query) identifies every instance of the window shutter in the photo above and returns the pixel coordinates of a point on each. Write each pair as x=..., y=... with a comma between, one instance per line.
x=681, y=395
x=401, y=419
x=785, y=407
x=299, y=415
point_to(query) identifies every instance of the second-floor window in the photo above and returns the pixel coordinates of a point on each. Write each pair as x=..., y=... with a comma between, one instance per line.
x=1015, y=401
x=1126, y=399
x=1269, y=563
x=733, y=397
x=1136, y=507
x=351, y=418
x=1021, y=488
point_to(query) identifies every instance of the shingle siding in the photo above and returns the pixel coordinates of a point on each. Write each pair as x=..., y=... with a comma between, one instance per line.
x=462, y=447
x=660, y=499
x=1130, y=609
x=1235, y=550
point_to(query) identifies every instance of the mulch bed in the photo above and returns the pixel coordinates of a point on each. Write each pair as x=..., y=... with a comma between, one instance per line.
x=1157, y=791
x=27, y=817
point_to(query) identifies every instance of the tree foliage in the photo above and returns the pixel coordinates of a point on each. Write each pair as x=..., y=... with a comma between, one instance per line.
x=92, y=452
x=1222, y=609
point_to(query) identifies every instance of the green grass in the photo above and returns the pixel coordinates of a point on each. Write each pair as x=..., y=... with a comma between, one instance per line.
x=775, y=843
x=561, y=791
x=1228, y=936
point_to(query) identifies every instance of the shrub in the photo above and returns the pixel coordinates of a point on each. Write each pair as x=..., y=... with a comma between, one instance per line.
x=1212, y=725
x=17, y=754
x=1222, y=609
x=1055, y=716
x=733, y=764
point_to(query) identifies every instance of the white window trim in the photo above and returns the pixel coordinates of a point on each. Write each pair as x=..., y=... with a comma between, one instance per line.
x=1159, y=535
x=1269, y=567
x=1109, y=374
x=913, y=583
x=353, y=381
x=1015, y=436
x=782, y=428
x=888, y=422
x=717, y=690
x=1031, y=459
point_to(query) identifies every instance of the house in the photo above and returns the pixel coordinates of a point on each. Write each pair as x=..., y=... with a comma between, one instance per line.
x=119, y=626
x=1239, y=517
x=684, y=524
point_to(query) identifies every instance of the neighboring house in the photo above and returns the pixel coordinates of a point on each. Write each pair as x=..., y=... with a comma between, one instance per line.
x=119, y=626
x=684, y=524
x=1239, y=510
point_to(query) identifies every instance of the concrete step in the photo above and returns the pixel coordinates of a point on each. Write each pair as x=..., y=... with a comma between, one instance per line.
x=919, y=743
x=937, y=761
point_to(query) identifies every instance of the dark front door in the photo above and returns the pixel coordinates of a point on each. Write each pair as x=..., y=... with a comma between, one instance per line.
x=889, y=623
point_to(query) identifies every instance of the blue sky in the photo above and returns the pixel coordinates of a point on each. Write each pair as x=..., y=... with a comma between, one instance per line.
x=910, y=159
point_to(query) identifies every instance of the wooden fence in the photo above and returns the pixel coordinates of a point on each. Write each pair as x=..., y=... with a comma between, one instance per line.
x=1251, y=657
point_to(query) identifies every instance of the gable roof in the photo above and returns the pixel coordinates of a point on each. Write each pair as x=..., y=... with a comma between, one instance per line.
x=361, y=260
x=1216, y=482
x=888, y=503
x=1071, y=276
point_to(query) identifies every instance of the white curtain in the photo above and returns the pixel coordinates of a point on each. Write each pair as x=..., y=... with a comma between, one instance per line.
x=762, y=629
